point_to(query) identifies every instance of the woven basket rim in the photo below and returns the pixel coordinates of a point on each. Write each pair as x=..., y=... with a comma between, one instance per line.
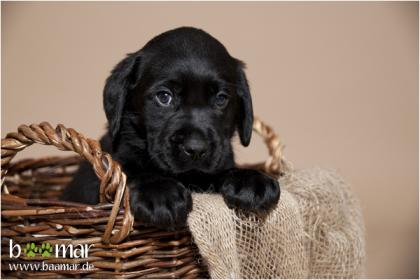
x=113, y=190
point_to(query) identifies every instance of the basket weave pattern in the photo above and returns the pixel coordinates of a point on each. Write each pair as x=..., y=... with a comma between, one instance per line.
x=121, y=247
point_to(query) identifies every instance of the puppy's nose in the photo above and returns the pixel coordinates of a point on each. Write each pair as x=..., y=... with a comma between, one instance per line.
x=195, y=148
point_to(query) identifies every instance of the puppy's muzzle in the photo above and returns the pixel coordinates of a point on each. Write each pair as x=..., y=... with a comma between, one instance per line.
x=192, y=145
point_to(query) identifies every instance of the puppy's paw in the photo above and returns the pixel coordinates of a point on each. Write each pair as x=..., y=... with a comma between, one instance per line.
x=250, y=190
x=163, y=203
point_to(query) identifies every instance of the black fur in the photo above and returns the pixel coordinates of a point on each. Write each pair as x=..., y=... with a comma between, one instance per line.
x=168, y=149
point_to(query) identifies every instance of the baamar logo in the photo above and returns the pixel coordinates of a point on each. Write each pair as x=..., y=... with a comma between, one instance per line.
x=31, y=250
x=47, y=250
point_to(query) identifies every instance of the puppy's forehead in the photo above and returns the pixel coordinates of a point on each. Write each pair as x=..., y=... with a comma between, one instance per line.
x=188, y=51
x=186, y=40
x=192, y=68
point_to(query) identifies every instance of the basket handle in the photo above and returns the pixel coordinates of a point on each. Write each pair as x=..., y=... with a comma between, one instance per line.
x=275, y=164
x=113, y=180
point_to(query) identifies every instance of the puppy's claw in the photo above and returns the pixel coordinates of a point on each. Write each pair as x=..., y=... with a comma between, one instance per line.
x=164, y=203
x=250, y=190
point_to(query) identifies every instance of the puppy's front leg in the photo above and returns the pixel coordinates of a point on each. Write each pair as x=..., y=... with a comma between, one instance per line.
x=159, y=201
x=250, y=190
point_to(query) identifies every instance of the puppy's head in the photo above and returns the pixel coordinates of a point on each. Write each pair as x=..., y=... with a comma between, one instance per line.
x=186, y=96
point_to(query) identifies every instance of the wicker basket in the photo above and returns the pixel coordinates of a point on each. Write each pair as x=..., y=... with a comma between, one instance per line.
x=121, y=248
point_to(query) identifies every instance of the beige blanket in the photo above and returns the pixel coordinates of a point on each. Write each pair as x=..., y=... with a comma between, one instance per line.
x=316, y=231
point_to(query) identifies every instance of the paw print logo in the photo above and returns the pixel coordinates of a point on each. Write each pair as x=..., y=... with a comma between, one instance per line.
x=46, y=250
x=30, y=250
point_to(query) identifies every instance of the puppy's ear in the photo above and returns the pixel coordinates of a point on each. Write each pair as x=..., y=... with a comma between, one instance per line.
x=124, y=77
x=246, y=115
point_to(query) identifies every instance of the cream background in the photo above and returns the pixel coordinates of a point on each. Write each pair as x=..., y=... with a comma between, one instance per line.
x=339, y=81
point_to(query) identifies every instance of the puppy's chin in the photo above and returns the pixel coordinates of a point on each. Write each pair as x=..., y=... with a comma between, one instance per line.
x=175, y=165
x=171, y=160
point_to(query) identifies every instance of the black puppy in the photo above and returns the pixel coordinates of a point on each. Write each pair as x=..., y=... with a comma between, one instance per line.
x=172, y=109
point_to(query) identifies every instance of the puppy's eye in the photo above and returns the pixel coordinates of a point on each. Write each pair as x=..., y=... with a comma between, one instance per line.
x=164, y=98
x=221, y=99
